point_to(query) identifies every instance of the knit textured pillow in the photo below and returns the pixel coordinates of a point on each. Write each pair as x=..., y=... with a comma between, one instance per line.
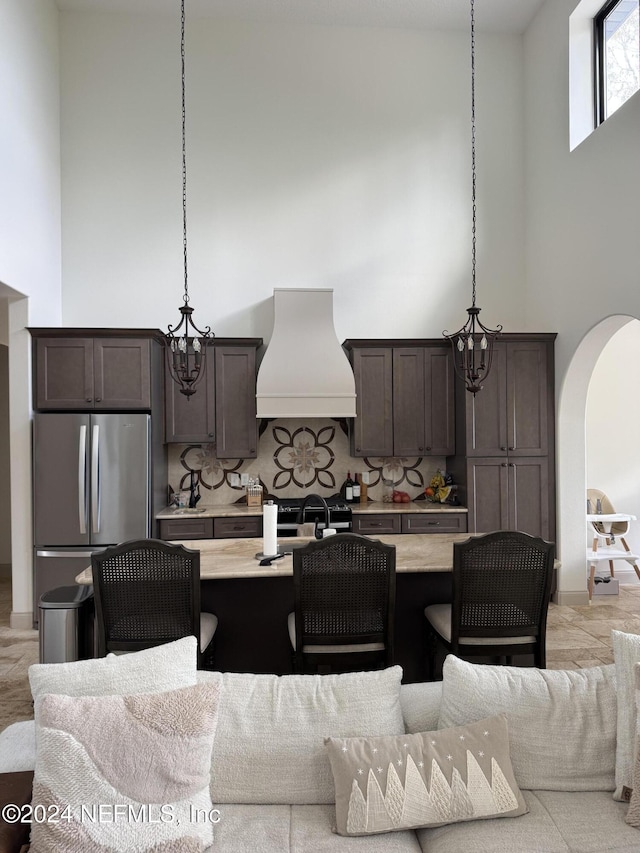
x=126, y=774
x=425, y=779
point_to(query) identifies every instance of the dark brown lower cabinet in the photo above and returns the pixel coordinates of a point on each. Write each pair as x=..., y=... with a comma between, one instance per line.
x=186, y=528
x=370, y=525
x=510, y=494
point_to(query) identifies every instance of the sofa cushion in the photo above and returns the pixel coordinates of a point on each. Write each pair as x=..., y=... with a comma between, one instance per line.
x=269, y=745
x=562, y=723
x=591, y=822
x=155, y=670
x=426, y=779
x=626, y=653
x=18, y=747
x=102, y=759
x=420, y=705
x=297, y=829
x=534, y=832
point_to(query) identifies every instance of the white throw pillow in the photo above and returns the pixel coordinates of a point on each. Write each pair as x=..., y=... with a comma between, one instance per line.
x=269, y=745
x=562, y=723
x=626, y=653
x=155, y=670
x=125, y=773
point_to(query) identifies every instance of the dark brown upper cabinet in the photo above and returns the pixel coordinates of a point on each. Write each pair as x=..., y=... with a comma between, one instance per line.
x=236, y=423
x=405, y=398
x=372, y=430
x=90, y=372
x=191, y=420
x=510, y=415
x=223, y=409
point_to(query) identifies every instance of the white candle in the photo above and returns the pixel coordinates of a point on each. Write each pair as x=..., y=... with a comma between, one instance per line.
x=269, y=529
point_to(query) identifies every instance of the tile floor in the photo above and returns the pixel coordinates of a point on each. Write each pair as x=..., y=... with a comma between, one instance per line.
x=577, y=637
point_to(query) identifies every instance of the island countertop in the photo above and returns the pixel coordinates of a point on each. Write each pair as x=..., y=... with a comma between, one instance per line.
x=240, y=510
x=235, y=558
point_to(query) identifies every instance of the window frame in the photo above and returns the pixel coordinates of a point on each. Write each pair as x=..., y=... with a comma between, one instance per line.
x=599, y=88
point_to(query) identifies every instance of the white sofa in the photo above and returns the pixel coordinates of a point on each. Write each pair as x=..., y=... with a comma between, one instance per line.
x=580, y=821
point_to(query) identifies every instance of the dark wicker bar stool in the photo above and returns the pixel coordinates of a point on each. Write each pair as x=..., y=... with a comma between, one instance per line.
x=344, y=589
x=147, y=592
x=501, y=592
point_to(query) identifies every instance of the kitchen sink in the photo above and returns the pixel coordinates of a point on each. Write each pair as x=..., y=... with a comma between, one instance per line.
x=189, y=511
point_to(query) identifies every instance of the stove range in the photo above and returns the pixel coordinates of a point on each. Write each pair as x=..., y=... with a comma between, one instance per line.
x=340, y=516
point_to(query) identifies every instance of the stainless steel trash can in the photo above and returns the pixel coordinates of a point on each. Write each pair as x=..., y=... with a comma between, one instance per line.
x=66, y=624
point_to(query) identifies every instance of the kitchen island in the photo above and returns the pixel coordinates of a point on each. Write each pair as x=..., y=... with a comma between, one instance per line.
x=252, y=601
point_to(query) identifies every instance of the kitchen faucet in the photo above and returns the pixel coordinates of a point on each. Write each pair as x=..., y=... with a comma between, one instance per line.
x=325, y=506
x=194, y=491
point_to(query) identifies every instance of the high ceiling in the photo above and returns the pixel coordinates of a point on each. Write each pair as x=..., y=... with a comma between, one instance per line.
x=491, y=15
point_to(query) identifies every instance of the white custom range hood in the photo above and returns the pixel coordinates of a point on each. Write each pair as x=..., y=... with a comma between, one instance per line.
x=305, y=373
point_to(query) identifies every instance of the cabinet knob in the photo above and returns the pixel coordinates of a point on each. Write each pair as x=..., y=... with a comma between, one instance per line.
x=504, y=464
x=512, y=448
x=427, y=448
x=88, y=399
x=98, y=399
x=512, y=464
x=376, y=524
x=357, y=450
x=421, y=448
x=252, y=450
x=211, y=435
x=503, y=448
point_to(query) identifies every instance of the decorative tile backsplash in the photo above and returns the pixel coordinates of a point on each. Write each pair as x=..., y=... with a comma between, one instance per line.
x=296, y=458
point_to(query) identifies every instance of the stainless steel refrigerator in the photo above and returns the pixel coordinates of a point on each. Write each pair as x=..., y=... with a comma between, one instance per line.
x=91, y=488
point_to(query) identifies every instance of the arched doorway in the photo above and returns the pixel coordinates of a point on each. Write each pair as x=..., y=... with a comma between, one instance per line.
x=571, y=458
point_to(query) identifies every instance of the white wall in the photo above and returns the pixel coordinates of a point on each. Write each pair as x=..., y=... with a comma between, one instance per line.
x=30, y=155
x=5, y=476
x=30, y=251
x=613, y=436
x=583, y=251
x=317, y=156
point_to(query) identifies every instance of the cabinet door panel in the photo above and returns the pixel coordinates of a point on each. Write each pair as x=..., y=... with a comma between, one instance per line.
x=231, y=528
x=527, y=389
x=529, y=497
x=186, y=528
x=408, y=402
x=372, y=432
x=435, y=522
x=486, y=411
x=191, y=420
x=488, y=495
x=64, y=373
x=122, y=373
x=369, y=524
x=439, y=402
x=236, y=423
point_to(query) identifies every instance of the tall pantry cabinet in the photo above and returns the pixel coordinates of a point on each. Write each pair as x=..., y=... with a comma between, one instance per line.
x=505, y=445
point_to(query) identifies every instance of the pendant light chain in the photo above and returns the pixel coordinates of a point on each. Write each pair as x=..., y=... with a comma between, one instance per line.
x=184, y=159
x=186, y=344
x=473, y=154
x=473, y=344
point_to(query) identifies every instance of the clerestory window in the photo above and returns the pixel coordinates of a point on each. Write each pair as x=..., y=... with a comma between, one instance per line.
x=617, y=55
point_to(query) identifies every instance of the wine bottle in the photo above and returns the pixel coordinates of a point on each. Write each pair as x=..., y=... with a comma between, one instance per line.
x=356, y=489
x=348, y=489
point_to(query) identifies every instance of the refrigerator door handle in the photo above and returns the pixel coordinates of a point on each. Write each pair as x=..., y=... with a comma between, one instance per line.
x=95, y=479
x=82, y=479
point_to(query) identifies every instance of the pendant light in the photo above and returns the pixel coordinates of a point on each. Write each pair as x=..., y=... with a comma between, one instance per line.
x=473, y=343
x=186, y=344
